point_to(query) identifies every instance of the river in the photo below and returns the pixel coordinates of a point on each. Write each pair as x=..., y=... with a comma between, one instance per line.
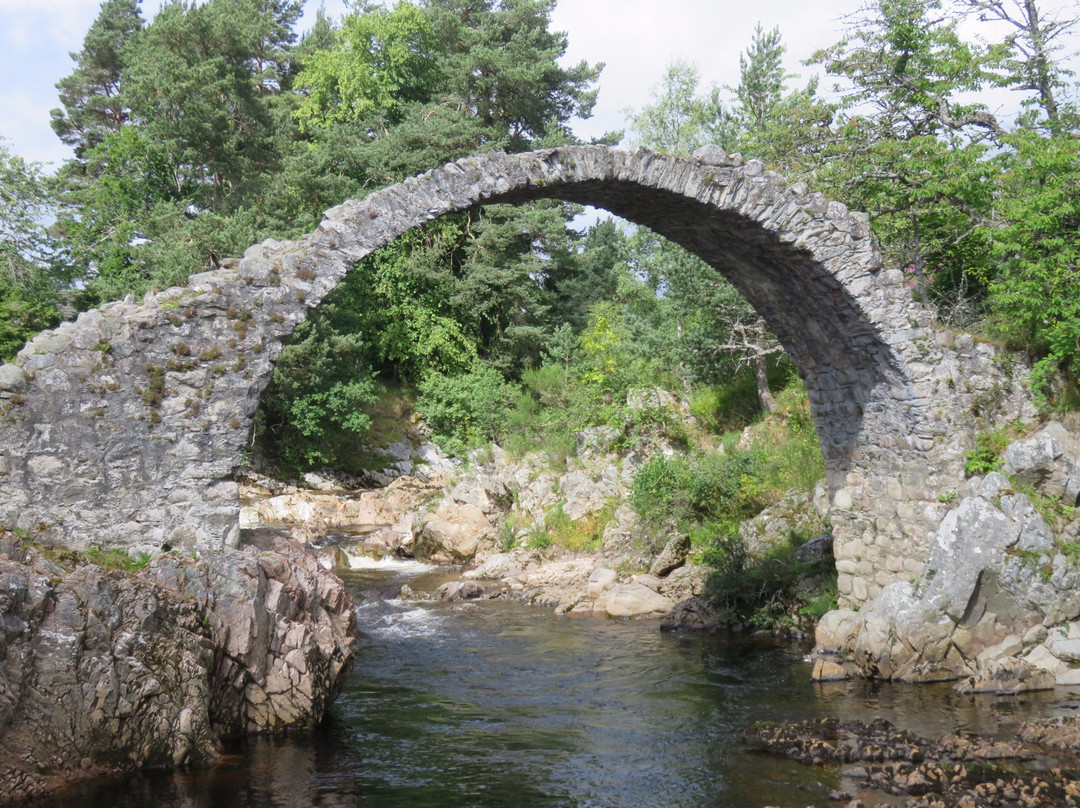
x=498, y=704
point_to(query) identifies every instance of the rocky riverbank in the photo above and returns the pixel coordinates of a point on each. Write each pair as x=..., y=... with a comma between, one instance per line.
x=558, y=535
x=1040, y=768
x=110, y=670
x=469, y=521
x=997, y=605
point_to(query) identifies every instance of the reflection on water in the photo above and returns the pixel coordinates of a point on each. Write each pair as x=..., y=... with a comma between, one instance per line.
x=497, y=704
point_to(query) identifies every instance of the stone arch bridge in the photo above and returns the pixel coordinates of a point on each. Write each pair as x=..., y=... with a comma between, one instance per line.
x=125, y=427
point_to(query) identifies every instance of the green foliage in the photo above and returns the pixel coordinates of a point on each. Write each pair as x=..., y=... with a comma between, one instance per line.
x=92, y=96
x=718, y=488
x=983, y=218
x=1052, y=509
x=709, y=495
x=189, y=85
x=771, y=591
x=824, y=601
x=712, y=492
x=581, y=535
x=501, y=60
x=790, y=443
x=117, y=560
x=986, y=456
x=678, y=120
x=732, y=404
x=508, y=533
x=468, y=409
x=1035, y=294
x=113, y=560
x=312, y=413
x=29, y=279
x=380, y=61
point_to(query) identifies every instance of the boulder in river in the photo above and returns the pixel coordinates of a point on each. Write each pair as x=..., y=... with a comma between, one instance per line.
x=454, y=533
x=459, y=590
x=107, y=671
x=634, y=600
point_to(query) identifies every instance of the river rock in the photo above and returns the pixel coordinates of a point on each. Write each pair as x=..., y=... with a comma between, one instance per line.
x=969, y=537
x=555, y=581
x=322, y=482
x=827, y=670
x=469, y=491
x=1007, y=676
x=622, y=537
x=432, y=463
x=775, y=525
x=634, y=600
x=600, y=581
x=585, y=493
x=454, y=533
x=390, y=509
x=836, y=631
x=285, y=629
x=684, y=582
x=459, y=590
x=694, y=613
x=496, y=567
x=99, y=673
x=816, y=550
x=672, y=556
x=102, y=672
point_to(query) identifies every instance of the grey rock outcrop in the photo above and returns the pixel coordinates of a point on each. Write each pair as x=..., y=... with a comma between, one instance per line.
x=454, y=533
x=103, y=671
x=775, y=525
x=100, y=673
x=1049, y=460
x=998, y=599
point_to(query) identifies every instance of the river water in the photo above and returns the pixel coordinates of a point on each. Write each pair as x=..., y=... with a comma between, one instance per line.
x=498, y=704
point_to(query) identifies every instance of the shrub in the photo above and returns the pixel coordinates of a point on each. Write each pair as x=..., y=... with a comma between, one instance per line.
x=771, y=591
x=715, y=487
x=576, y=535
x=468, y=409
x=986, y=456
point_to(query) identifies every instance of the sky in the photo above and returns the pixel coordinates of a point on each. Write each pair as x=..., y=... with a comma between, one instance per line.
x=636, y=39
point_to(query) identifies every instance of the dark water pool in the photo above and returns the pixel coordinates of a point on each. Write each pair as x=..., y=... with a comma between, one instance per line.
x=498, y=704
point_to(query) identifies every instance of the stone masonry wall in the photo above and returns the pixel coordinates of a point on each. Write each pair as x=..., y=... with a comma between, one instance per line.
x=125, y=427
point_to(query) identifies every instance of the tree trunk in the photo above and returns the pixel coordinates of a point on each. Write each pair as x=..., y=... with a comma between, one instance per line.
x=768, y=403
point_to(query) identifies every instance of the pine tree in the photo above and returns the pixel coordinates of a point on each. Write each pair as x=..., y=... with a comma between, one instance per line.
x=93, y=94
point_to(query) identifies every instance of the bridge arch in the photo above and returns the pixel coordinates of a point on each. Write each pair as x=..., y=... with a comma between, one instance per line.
x=125, y=428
